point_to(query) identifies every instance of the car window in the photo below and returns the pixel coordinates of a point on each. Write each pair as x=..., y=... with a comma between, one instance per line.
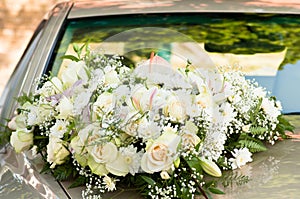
x=264, y=46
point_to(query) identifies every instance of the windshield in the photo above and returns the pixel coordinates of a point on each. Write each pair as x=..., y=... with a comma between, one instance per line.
x=264, y=46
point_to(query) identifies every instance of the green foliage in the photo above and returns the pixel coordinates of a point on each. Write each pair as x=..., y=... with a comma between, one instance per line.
x=254, y=112
x=46, y=167
x=64, y=171
x=215, y=190
x=194, y=163
x=149, y=180
x=5, y=134
x=78, y=181
x=39, y=140
x=71, y=57
x=210, y=188
x=283, y=126
x=258, y=130
x=26, y=98
x=253, y=144
x=79, y=52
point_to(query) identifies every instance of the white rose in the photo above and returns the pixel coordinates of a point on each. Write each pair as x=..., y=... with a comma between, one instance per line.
x=97, y=79
x=89, y=135
x=77, y=147
x=190, y=140
x=17, y=122
x=73, y=72
x=190, y=127
x=97, y=168
x=131, y=128
x=65, y=108
x=37, y=112
x=175, y=109
x=118, y=167
x=21, y=140
x=69, y=77
x=161, y=154
x=104, y=103
x=122, y=92
x=111, y=78
x=51, y=87
x=56, y=151
x=104, y=153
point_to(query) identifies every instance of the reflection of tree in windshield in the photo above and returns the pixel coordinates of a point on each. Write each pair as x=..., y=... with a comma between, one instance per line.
x=223, y=33
x=256, y=34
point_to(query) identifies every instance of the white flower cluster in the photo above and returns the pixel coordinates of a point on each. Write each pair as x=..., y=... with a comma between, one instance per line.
x=119, y=121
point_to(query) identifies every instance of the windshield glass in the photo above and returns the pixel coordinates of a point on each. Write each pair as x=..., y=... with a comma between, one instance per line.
x=264, y=46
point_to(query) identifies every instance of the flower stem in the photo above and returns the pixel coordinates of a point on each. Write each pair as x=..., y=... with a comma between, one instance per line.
x=203, y=192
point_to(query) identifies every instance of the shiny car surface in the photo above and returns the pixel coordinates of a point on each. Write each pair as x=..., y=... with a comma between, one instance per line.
x=259, y=37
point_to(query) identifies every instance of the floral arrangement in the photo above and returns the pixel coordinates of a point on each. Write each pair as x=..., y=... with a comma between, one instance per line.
x=161, y=130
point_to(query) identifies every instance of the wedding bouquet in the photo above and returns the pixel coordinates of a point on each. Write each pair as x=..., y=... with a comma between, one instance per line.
x=159, y=129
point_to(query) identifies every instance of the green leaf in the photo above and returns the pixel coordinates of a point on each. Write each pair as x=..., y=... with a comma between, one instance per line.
x=215, y=190
x=81, y=180
x=258, y=130
x=25, y=98
x=71, y=57
x=253, y=112
x=194, y=163
x=185, y=193
x=148, y=180
x=253, y=145
x=46, y=169
x=285, y=124
x=64, y=171
x=76, y=48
